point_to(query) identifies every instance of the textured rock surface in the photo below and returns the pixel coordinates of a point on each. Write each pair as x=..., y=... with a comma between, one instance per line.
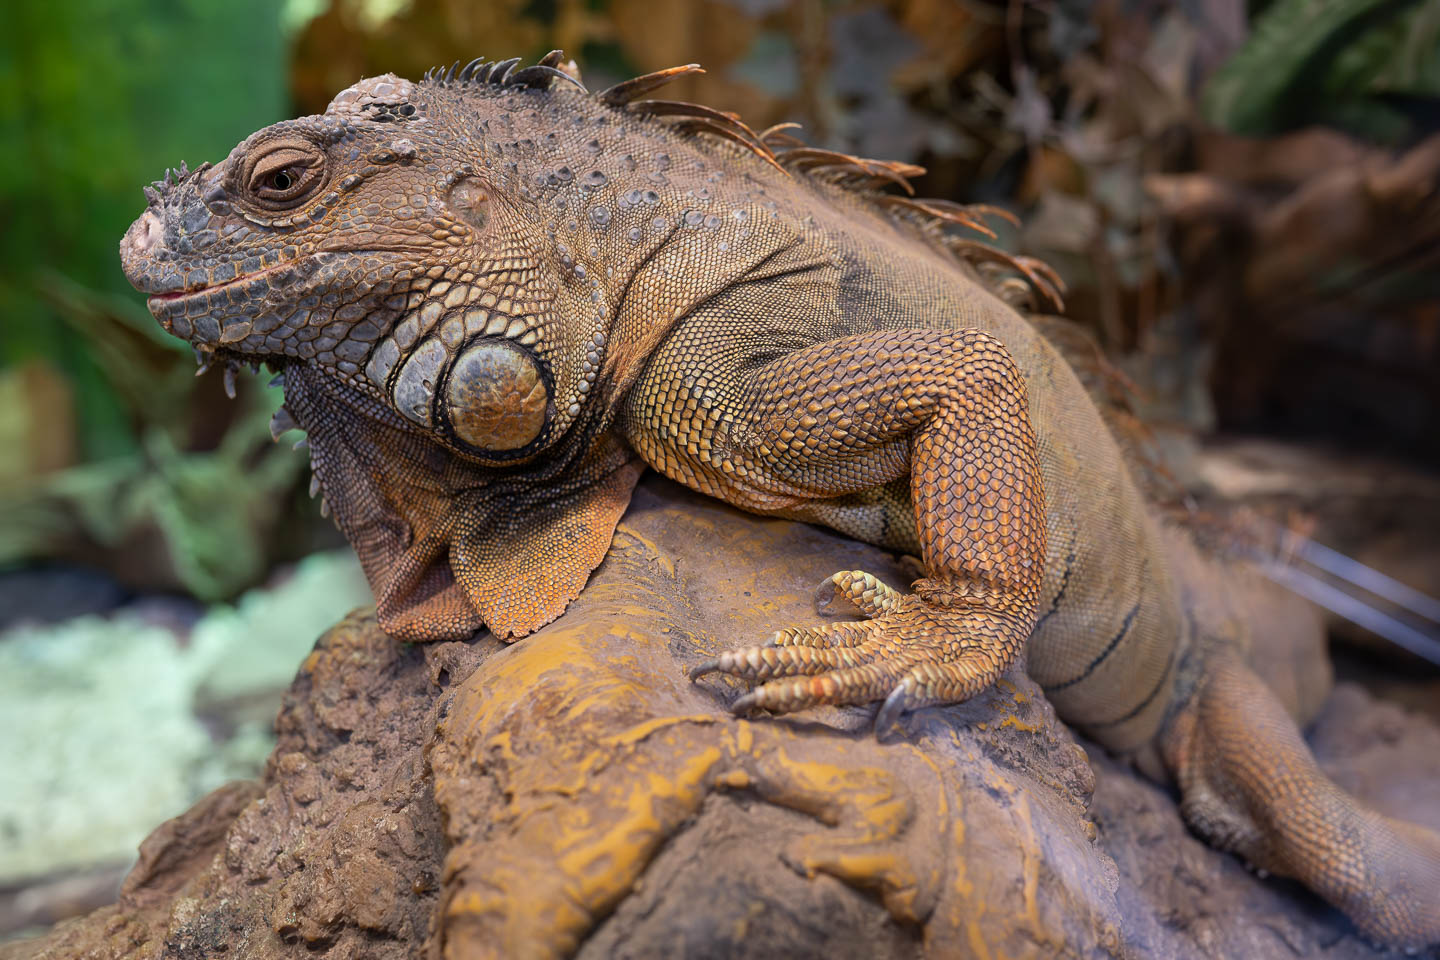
x=574, y=794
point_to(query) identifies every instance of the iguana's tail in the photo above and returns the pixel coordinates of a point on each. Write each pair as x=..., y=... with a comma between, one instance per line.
x=1250, y=785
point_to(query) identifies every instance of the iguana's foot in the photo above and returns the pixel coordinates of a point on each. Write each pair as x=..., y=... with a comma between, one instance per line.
x=916, y=650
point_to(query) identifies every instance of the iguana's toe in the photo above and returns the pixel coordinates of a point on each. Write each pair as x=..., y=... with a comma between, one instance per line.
x=848, y=685
x=768, y=662
x=860, y=590
x=845, y=633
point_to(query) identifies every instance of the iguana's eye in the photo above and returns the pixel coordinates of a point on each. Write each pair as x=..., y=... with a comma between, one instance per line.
x=284, y=175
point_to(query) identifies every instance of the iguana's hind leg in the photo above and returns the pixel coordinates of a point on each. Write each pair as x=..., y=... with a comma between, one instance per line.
x=1250, y=785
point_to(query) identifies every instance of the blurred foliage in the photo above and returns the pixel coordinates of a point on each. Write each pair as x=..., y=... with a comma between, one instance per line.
x=1371, y=67
x=115, y=454
x=98, y=97
x=201, y=521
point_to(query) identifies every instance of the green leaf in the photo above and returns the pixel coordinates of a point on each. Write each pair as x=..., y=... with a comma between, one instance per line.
x=97, y=98
x=1305, y=57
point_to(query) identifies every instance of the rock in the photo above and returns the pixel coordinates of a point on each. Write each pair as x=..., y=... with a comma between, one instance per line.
x=574, y=794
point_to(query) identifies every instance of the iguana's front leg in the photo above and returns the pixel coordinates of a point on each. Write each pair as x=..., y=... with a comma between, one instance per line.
x=836, y=418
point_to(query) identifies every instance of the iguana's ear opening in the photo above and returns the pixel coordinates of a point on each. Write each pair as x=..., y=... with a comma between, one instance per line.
x=449, y=546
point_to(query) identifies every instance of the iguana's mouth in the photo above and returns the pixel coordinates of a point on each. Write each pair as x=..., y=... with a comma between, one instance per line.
x=169, y=298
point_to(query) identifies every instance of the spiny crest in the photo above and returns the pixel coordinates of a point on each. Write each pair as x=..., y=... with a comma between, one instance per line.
x=776, y=146
x=502, y=73
x=686, y=117
x=172, y=179
x=868, y=178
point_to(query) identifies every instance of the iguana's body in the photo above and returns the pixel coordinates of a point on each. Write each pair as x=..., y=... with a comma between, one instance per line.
x=488, y=296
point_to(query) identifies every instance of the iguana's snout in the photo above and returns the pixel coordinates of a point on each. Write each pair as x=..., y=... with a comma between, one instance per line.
x=140, y=250
x=142, y=239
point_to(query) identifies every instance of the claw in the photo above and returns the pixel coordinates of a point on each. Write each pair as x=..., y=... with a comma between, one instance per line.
x=828, y=600
x=894, y=707
x=744, y=705
x=701, y=669
x=230, y=371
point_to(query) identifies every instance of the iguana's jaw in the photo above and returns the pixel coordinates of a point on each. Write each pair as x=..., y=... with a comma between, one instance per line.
x=258, y=301
x=170, y=306
x=185, y=293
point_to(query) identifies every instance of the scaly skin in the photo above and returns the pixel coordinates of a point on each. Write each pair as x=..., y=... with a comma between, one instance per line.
x=494, y=298
x=844, y=416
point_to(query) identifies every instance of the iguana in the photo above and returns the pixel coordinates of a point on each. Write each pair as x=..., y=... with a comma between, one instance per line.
x=494, y=297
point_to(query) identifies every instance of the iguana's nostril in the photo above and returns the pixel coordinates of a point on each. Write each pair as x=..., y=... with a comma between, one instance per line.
x=147, y=232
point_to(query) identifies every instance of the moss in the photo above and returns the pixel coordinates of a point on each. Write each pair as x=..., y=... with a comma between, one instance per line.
x=109, y=725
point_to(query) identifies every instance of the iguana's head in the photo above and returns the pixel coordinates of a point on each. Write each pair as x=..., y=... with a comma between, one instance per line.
x=391, y=244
